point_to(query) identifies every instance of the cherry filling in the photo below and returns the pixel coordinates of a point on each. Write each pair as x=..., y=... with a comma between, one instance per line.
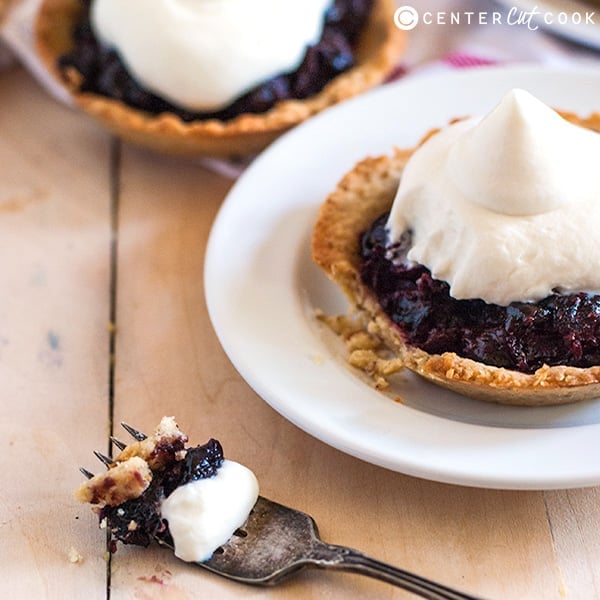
x=139, y=521
x=558, y=330
x=103, y=72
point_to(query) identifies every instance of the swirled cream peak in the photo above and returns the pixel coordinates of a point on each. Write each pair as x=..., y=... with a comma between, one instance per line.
x=506, y=207
x=203, y=54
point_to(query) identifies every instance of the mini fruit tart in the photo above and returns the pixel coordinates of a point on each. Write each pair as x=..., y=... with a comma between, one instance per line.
x=473, y=257
x=218, y=79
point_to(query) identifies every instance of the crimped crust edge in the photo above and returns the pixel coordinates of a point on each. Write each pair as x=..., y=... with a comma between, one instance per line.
x=361, y=196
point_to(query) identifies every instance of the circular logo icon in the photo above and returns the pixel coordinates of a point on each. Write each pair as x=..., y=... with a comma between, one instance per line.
x=406, y=18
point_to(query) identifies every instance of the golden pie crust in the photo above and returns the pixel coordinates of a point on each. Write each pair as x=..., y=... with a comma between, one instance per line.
x=130, y=474
x=364, y=194
x=379, y=47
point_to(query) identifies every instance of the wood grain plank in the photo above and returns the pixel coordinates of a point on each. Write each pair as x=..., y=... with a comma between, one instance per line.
x=54, y=250
x=168, y=361
x=574, y=517
x=162, y=355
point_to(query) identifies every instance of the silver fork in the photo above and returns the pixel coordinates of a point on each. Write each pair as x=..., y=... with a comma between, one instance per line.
x=277, y=541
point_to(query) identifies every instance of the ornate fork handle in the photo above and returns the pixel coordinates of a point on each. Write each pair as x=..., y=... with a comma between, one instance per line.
x=338, y=557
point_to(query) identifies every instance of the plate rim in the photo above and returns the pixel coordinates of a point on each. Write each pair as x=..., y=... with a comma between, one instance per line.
x=212, y=282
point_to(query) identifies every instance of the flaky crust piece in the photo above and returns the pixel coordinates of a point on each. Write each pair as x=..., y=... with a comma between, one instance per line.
x=130, y=473
x=380, y=46
x=364, y=194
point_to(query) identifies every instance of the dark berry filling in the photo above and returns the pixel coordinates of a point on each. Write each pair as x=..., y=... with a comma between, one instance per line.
x=139, y=521
x=103, y=72
x=558, y=330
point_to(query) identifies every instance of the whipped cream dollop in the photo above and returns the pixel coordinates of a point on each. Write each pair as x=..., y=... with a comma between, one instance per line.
x=204, y=513
x=203, y=54
x=506, y=207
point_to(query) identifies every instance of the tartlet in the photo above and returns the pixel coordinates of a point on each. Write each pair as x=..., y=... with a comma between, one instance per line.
x=362, y=196
x=378, y=48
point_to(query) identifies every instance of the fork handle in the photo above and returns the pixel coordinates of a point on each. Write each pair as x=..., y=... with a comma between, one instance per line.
x=352, y=560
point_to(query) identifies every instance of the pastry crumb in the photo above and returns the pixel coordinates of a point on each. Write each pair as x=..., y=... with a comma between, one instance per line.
x=366, y=351
x=318, y=359
x=131, y=472
x=74, y=556
x=562, y=585
x=122, y=482
x=132, y=526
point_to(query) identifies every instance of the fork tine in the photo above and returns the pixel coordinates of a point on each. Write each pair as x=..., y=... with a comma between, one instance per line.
x=118, y=443
x=107, y=460
x=87, y=473
x=138, y=435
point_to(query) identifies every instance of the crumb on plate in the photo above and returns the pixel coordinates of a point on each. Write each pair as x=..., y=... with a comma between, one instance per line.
x=366, y=351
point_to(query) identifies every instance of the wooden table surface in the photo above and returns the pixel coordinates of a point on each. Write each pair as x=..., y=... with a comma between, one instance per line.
x=95, y=233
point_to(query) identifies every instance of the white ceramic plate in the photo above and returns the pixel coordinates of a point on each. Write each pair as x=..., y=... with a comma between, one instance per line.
x=262, y=291
x=566, y=18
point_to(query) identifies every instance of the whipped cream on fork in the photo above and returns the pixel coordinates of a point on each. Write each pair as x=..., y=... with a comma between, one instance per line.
x=204, y=513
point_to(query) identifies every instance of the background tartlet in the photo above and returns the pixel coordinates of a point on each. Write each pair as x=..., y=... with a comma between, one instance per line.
x=379, y=47
x=364, y=194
